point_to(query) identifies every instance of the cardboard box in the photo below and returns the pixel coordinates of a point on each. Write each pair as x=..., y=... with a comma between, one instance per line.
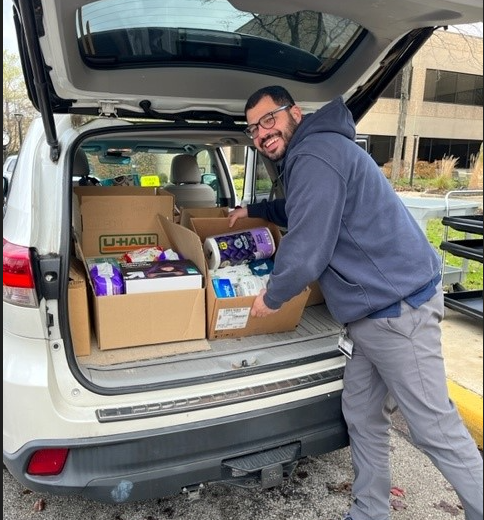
x=113, y=220
x=139, y=319
x=79, y=319
x=188, y=213
x=316, y=296
x=230, y=317
x=163, y=275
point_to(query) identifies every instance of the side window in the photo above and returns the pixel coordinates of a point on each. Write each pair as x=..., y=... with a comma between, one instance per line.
x=209, y=176
x=263, y=183
x=235, y=156
x=258, y=179
x=204, y=162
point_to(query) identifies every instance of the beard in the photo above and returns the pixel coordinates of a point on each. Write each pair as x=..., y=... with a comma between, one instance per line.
x=285, y=137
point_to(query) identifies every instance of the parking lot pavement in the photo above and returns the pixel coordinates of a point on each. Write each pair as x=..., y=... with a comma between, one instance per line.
x=318, y=490
x=462, y=349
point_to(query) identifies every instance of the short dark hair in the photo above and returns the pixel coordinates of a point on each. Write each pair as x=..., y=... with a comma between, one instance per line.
x=277, y=93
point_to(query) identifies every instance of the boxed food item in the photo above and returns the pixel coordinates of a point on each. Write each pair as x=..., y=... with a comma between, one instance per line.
x=229, y=317
x=79, y=319
x=109, y=226
x=162, y=275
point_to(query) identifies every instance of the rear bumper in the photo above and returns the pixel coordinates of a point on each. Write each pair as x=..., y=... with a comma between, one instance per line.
x=128, y=468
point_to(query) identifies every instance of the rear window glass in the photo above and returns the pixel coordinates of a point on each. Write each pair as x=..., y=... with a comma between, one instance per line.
x=307, y=45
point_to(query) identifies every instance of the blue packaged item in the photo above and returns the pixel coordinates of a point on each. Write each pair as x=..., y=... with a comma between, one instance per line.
x=223, y=288
x=262, y=266
x=122, y=180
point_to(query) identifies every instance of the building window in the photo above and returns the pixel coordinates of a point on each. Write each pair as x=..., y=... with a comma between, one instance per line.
x=381, y=148
x=453, y=87
x=435, y=149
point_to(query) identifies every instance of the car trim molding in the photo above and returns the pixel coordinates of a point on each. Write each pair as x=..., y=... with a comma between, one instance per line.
x=141, y=411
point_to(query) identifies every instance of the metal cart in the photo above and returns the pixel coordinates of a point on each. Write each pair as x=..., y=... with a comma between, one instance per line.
x=469, y=302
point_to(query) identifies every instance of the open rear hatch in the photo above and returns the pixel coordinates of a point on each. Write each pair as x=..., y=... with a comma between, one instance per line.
x=194, y=59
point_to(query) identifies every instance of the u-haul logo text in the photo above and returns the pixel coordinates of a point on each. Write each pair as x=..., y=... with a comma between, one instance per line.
x=122, y=243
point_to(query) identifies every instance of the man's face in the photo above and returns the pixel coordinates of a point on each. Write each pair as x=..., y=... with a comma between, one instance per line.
x=272, y=142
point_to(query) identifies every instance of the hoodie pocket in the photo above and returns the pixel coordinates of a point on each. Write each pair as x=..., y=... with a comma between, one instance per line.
x=346, y=301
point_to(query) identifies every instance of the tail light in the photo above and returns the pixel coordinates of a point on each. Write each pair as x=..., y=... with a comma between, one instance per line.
x=48, y=462
x=18, y=276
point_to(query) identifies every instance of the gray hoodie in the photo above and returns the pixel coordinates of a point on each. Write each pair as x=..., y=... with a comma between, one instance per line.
x=346, y=227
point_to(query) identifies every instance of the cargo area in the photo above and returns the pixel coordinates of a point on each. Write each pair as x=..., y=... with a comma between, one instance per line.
x=155, y=336
x=314, y=337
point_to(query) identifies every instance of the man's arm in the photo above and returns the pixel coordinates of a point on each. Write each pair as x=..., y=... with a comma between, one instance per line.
x=273, y=211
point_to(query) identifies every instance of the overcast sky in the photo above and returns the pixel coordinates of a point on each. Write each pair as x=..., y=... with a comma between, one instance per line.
x=10, y=41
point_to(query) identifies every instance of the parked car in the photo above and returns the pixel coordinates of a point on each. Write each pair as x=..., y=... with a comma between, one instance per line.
x=131, y=86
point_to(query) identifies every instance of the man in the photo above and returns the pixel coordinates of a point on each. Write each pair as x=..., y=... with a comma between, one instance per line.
x=348, y=229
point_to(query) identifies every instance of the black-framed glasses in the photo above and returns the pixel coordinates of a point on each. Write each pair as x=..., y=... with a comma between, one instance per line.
x=267, y=121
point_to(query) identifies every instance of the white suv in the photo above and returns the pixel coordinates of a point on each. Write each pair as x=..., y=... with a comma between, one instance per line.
x=130, y=85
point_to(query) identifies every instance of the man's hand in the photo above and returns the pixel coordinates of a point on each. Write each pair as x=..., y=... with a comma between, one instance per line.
x=236, y=214
x=259, y=308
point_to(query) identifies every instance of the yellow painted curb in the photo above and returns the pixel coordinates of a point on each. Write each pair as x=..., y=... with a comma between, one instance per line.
x=469, y=405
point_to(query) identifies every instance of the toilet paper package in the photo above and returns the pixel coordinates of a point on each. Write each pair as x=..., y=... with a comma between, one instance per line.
x=239, y=247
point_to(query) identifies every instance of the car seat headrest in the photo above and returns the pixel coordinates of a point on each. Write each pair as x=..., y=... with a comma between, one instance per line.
x=185, y=170
x=81, y=164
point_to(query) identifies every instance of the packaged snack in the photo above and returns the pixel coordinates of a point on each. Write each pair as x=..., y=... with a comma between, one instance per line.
x=145, y=254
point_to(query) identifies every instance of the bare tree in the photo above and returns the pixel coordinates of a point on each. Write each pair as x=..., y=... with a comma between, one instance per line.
x=316, y=33
x=402, y=120
x=15, y=101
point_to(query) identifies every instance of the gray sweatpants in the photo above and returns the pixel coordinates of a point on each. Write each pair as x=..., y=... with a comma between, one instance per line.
x=402, y=358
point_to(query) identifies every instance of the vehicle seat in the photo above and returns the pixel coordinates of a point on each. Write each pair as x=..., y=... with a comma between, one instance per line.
x=185, y=184
x=81, y=170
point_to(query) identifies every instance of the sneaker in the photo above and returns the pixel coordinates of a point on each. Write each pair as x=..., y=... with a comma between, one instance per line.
x=347, y=517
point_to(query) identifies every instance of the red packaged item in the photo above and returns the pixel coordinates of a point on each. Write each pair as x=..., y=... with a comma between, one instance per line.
x=145, y=254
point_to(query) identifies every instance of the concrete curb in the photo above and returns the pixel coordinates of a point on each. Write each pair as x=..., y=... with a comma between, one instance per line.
x=469, y=405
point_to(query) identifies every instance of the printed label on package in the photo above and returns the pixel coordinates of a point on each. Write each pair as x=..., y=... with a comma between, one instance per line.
x=232, y=318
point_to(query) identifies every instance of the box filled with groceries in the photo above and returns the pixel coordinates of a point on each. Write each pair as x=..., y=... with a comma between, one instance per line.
x=115, y=231
x=239, y=261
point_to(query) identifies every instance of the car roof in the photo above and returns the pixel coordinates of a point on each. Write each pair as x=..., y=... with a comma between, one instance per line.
x=200, y=59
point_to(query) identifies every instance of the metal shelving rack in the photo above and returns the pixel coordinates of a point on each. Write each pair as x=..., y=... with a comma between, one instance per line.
x=469, y=302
